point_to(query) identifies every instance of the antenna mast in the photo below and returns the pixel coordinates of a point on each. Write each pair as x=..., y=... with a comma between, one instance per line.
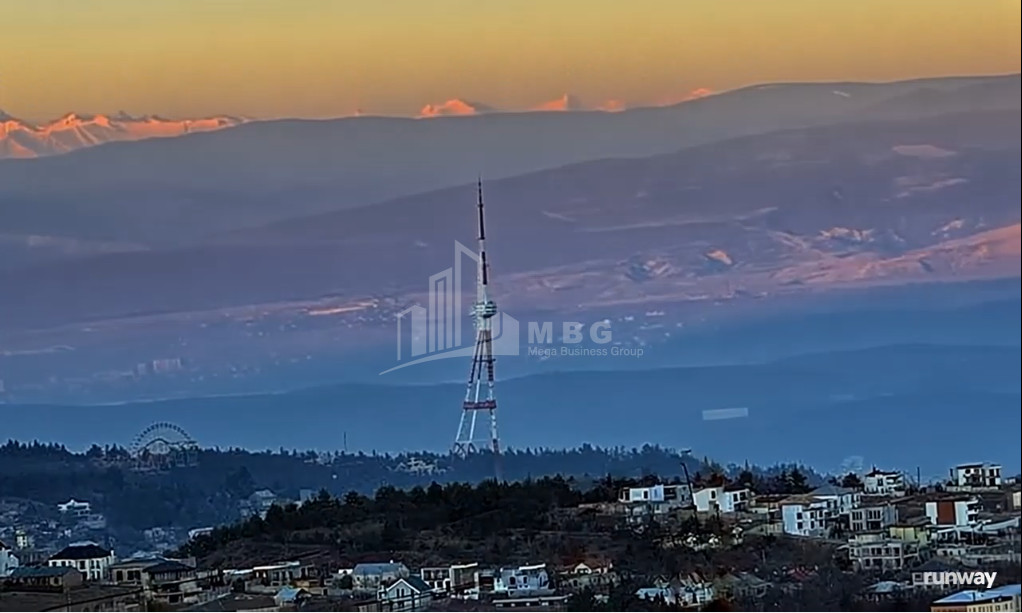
x=479, y=395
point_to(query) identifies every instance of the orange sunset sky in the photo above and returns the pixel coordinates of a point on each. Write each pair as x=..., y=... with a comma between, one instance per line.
x=321, y=58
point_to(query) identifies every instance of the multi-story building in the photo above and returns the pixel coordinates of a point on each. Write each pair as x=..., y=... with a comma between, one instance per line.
x=89, y=558
x=883, y=483
x=953, y=511
x=976, y=475
x=75, y=508
x=722, y=498
x=679, y=495
x=915, y=530
x=457, y=579
x=840, y=500
x=872, y=517
x=879, y=552
x=523, y=580
x=805, y=516
x=371, y=576
x=1004, y=598
x=8, y=561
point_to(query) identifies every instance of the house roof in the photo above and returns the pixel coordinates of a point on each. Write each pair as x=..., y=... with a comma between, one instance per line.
x=832, y=490
x=973, y=596
x=290, y=594
x=377, y=568
x=416, y=583
x=25, y=572
x=167, y=566
x=81, y=552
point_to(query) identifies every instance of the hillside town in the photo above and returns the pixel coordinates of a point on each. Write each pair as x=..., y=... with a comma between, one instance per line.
x=880, y=529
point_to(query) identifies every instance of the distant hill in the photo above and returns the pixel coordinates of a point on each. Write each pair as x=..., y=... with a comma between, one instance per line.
x=169, y=191
x=861, y=204
x=905, y=405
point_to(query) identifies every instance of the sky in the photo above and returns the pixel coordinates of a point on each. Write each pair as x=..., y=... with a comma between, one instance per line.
x=325, y=58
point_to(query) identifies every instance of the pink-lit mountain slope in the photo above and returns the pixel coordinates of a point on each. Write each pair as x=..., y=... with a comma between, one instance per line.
x=21, y=139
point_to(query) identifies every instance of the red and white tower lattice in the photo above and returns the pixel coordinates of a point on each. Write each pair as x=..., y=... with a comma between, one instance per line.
x=479, y=395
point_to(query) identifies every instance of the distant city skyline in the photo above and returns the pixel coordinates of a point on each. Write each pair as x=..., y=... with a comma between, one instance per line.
x=314, y=58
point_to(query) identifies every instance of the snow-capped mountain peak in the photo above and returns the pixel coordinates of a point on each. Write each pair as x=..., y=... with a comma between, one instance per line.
x=567, y=102
x=19, y=139
x=455, y=106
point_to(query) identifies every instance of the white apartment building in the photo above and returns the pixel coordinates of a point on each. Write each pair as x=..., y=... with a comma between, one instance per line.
x=976, y=475
x=880, y=552
x=883, y=483
x=805, y=516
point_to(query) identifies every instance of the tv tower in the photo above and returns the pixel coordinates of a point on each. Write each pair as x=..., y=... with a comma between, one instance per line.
x=479, y=395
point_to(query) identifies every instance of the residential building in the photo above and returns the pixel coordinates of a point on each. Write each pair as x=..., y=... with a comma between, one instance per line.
x=666, y=594
x=290, y=598
x=722, y=498
x=1004, y=598
x=406, y=594
x=75, y=508
x=883, y=483
x=840, y=500
x=915, y=530
x=370, y=576
x=674, y=495
x=269, y=577
x=59, y=578
x=592, y=574
x=522, y=581
x=92, y=560
x=953, y=511
x=457, y=578
x=880, y=552
x=872, y=517
x=805, y=516
x=8, y=561
x=976, y=475
x=694, y=590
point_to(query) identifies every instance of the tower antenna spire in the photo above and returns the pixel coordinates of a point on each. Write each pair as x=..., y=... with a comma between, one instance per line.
x=479, y=395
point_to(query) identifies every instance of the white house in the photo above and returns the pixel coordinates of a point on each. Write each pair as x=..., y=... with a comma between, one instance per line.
x=805, y=516
x=8, y=561
x=678, y=495
x=89, y=558
x=953, y=511
x=461, y=579
x=725, y=499
x=883, y=483
x=976, y=475
x=879, y=552
x=522, y=580
x=406, y=594
x=371, y=576
x=75, y=508
x=841, y=500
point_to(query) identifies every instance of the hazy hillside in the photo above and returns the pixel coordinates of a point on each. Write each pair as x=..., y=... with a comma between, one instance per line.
x=166, y=191
x=844, y=205
x=818, y=409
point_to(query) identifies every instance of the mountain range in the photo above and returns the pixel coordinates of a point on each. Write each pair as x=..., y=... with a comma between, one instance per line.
x=290, y=246
x=20, y=139
x=182, y=190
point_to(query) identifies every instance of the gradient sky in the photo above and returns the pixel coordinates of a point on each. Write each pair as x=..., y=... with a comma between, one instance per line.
x=321, y=58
